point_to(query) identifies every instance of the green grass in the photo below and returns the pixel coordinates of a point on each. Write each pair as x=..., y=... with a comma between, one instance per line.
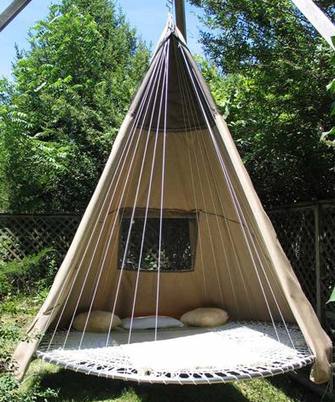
x=45, y=382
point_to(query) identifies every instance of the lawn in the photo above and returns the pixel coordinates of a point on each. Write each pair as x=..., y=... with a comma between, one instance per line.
x=45, y=382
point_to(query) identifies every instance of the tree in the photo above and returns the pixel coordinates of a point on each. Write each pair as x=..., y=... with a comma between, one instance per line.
x=274, y=71
x=61, y=113
x=328, y=137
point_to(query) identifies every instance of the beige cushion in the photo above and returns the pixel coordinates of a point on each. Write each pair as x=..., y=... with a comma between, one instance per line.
x=205, y=317
x=99, y=321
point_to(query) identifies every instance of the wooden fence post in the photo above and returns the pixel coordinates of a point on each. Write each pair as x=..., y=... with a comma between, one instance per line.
x=317, y=221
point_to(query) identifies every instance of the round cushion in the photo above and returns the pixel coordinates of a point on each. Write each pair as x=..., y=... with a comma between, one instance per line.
x=99, y=321
x=205, y=317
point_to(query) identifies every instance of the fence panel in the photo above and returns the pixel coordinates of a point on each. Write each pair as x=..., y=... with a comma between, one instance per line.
x=21, y=235
x=296, y=232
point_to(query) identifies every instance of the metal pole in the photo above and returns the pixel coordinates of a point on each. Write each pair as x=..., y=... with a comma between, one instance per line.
x=11, y=12
x=180, y=16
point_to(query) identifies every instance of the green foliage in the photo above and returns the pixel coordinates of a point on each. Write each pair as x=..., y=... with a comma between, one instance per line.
x=328, y=137
x=270, y=82
x=10, y=391
x=32, y=272
x=59, y=116
x=332, y=296
x=9, y=333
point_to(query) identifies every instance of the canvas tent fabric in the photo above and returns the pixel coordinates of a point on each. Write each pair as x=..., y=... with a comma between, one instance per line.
x=224, y=272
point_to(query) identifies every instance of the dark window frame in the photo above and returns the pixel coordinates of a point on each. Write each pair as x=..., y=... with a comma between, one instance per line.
x=192, y=220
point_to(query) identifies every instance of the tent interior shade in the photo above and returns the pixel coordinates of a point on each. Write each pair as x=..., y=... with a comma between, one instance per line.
x=178, y=97
x=174, y=159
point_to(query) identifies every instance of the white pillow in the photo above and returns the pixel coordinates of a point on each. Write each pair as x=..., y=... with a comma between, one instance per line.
x=149, y=322
x=205, y=317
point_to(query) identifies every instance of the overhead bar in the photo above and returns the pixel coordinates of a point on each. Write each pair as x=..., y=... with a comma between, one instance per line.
x=317, y=18
x=11, y=12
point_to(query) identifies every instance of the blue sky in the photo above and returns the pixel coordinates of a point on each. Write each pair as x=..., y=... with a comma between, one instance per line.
x=148, y=16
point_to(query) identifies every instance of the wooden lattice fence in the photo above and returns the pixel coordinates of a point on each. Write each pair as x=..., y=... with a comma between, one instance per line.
x=22, y=235
x=306, y=232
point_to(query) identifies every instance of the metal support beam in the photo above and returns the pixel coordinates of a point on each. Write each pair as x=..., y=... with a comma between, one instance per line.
x=180, y=16
x=317, y=18
x=11, y=12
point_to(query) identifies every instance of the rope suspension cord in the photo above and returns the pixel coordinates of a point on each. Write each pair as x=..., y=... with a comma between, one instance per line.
x=162, y=191
x=231, y=190
x=184, y=102
x=238, y=208
x=126, y=149
x=108, y=244
x=117, y=214
x=197, y=209
x=128, y=236
x=224, y=214
x=164, y=83
x=149, y=90
x=245, y=225
x=185, y=88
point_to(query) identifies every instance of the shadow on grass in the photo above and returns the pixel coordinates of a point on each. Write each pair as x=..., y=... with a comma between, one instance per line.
x=298, y=391
x=77, y=387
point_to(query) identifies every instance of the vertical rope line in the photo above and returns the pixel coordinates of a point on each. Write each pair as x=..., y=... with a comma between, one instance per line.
x=148, y=195
x=105, y=254
x=126, y=149
x=137, y=193
x=207, y=221
x=187, y=126
x=216, y=216
x=251, y=236
x=98, y=241
x=231, y=240
x=162, y=190
x=188, y=133
x=232, y=193
x=195, y=116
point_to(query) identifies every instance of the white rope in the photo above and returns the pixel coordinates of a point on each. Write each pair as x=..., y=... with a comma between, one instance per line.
x=206, y=215
x=136, y=196
x=212, y=198
x=125, y=150
x=110, y=238
x=111, y=235
x=231, y=190
x=241, y=215
x=150, y=187
x=189, y=133
x=162, y=191
x=231, y=239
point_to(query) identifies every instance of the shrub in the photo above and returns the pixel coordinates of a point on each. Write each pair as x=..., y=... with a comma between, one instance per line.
x=10, y=391
x=33, y=272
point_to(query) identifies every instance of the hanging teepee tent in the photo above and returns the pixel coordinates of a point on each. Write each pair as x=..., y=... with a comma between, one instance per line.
x=175, y=224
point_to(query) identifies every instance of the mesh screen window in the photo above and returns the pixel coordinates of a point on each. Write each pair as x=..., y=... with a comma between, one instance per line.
x=177, y=244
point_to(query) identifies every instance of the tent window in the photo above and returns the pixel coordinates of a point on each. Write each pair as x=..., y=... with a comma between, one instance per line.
x=177, y=245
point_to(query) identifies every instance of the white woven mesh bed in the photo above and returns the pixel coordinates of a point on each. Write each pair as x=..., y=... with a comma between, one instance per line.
x=187, y=355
